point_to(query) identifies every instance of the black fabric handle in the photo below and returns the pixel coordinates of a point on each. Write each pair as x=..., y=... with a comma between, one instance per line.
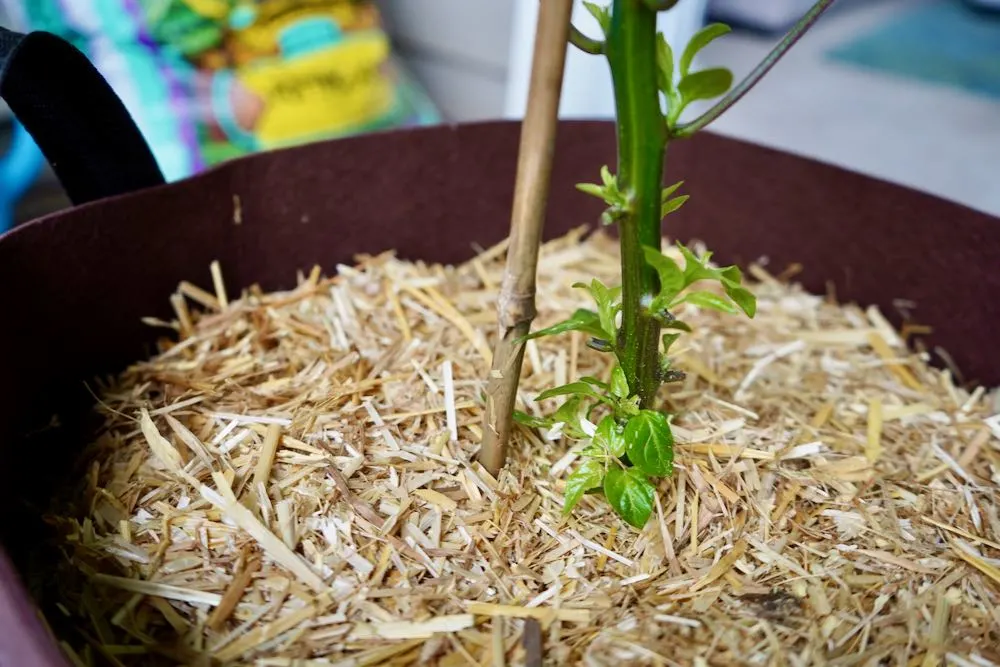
x=79, y=123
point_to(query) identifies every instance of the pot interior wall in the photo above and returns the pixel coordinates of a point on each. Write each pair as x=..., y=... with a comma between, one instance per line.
x=77, y=283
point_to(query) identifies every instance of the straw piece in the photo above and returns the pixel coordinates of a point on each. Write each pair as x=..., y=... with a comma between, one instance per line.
x=975, y=561
x=165, y=452
x=436, y=498
x=266, y=633
x=363, y=509
x=718, y=449
x=159, y=590
x=939, y=633
x=449, y=399
x=882, y=348
x=759, y=366
x=183, y=314
x=199, y=295
x=271, y=545
x=414, y=629
x=220, y=286
x=601, y=550
x=537, y=613
x=723, y=566
x=959, y=531
x=267, y=452
x=449, y=313
x=780, y=527
x=397, y=310
x=874, y=448
x=233, y=594
x=498, y=654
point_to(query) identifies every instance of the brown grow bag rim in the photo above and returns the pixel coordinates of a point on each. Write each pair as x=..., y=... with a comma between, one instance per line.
x=324, y=202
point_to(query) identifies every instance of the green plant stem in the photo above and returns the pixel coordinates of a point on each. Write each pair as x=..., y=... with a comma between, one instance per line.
x=661, y=5
x=631, y=52
x=734, y=95
x=586, y=44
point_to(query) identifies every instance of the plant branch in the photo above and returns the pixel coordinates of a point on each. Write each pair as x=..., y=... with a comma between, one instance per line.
x=586, y=44
x=661, y=5
x=734, y=95
x=516, y=308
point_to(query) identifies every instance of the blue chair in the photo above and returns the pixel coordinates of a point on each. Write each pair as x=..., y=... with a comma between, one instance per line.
x=19, y=169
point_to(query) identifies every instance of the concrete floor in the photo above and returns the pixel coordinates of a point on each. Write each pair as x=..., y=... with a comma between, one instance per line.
x=934, y=138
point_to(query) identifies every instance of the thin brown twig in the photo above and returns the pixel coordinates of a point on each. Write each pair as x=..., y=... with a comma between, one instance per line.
x=516, y=308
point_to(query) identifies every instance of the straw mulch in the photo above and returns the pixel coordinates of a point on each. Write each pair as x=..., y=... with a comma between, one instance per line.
x=294, y=483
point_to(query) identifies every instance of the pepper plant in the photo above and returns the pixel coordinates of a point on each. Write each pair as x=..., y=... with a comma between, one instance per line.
x=629, y=439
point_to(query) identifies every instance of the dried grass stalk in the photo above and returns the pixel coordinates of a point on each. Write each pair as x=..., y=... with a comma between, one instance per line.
x=294, y=481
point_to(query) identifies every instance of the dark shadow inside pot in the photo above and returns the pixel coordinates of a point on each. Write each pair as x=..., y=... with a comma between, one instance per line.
x=79, y=282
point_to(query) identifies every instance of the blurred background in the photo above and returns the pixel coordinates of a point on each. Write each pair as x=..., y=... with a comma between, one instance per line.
x=903, y=90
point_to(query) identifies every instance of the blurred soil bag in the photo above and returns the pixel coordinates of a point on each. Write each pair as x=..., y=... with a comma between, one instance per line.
x=209, y=80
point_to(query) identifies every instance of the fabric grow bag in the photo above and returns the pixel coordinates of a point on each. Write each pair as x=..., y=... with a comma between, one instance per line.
x=77, y=283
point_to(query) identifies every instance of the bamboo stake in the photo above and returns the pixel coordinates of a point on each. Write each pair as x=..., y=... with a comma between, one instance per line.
x=516, y=307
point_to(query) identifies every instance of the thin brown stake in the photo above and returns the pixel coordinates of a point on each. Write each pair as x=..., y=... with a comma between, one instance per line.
x=532, y=643
x=516, y=306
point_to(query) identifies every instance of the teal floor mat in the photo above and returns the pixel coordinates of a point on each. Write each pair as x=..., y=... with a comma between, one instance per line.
x=944, y=43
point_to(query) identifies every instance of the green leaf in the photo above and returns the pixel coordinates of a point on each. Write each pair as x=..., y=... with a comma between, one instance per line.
x=619, y=383
x=609, y=192
x=671, y=276
x=592, y=189
x=630, y=494
x=600, y=13
x=668, y=340
x=669, y=190
x=610, y=437
x=569, y=414
x=608, y=178
x=695, y=268
x=588, y=476
x=664, y=63
x=701, y=39
x=607, y=305
x=581, y=320
x=671, y=205
x=600, y=344
x=594, y=382
x=742, y=297
x=573, y=388
x=705, y=85
x=677, y=324
x=531, y=420
x=732, y=274
x=649, y=443
x=660, y=304
x=629, y=407
x=708, y=300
